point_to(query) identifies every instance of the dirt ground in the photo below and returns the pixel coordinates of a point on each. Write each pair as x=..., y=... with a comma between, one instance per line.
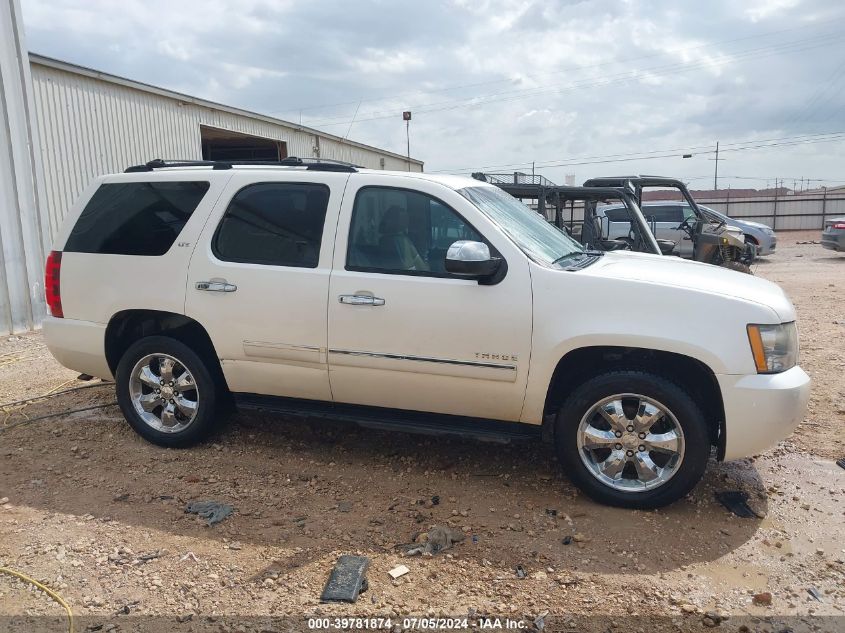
x=95, y=513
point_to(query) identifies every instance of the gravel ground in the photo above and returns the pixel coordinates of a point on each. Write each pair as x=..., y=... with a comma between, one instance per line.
x=97, y=514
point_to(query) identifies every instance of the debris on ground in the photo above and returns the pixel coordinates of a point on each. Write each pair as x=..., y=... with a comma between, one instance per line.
x=347, y=579
x=436, y=540
x=567, y=539
x=144, y=558
x=540, y=621
x=398, y=571
x=214, y=511
x=712, y=619
x=815, y=594
x=737, y=502
x=841, y=462
x=520, y=572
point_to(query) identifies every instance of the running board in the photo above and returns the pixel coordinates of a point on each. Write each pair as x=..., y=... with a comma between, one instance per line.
x=416, y=422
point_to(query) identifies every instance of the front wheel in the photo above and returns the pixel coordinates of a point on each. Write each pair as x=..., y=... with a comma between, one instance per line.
x=632, y=439
x=166, y=392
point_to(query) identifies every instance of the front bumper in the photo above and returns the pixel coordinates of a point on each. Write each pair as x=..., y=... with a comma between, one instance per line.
x=834, y=241
x=767, y=245
x=762, y=409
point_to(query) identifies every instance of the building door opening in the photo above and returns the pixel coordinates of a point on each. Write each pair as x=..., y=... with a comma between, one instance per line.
x=226, y=145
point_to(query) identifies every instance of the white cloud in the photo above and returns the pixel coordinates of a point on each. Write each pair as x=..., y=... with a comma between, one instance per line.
x=491, y=82
x=765, y=9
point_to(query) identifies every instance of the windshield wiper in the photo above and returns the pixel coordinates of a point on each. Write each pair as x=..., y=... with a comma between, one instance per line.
x=587, y=252
x=567, y=256
x=590, y=255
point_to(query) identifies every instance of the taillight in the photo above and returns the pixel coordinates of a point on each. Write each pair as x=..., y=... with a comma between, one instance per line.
x=51, y=284
x=839, y=225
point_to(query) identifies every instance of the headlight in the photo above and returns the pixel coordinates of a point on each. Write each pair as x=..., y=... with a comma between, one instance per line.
x=774, y=347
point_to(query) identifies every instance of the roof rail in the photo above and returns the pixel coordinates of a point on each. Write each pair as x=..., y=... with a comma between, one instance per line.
x=311, y=164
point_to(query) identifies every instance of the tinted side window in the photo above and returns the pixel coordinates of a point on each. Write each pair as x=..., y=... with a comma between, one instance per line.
x=668, y=213
x=275, y=223
x=135, y=218
x=403, y=231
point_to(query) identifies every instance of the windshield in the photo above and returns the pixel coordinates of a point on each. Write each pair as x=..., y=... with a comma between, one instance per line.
x=713, y=214
x=538, y=239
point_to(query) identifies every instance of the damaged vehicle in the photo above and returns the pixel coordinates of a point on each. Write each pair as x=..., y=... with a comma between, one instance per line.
x=418, y=302
x=592, y=228
x=699, y=236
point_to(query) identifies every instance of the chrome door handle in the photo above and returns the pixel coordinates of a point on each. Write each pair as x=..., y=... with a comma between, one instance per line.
x=361, y=300
x=216, y=286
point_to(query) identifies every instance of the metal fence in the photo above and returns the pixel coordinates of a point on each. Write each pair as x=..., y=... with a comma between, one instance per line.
x=805, y=211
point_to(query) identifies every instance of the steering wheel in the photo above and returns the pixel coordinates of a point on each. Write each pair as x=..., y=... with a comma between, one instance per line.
x=685, y=226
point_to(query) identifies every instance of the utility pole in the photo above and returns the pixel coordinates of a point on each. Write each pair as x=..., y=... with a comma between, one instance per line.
x=406, y=116
x=716, y=172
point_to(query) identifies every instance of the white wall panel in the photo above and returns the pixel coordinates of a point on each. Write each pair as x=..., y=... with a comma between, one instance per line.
x=21, y=239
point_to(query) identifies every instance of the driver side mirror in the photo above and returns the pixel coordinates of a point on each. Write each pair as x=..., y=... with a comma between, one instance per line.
x=471, y=259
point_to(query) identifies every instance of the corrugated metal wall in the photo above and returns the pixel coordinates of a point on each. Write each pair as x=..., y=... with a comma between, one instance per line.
x=92, y=126
x=21, y=239
x=803, y=211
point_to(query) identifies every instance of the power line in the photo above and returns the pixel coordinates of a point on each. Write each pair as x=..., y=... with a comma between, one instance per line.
x=761, y=52
x=664, y=153
x=708, y=45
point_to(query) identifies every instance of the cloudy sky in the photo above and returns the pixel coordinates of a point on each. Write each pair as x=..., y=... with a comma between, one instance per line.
x=573, y=86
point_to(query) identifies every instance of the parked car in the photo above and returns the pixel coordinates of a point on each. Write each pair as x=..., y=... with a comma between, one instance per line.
x=833, y=237
x=762, y=236
x=697, y=236
x=430, y=303
x=668, y=216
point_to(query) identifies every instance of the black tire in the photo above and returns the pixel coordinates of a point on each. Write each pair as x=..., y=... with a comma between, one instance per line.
x=738, y=266
x=208, y=410
x=689, y=416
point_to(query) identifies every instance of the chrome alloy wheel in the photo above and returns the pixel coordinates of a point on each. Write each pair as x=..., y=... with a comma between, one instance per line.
x=630, y=442
x=164, y=393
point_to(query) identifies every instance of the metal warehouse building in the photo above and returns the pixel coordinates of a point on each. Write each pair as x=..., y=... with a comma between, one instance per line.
x=84, y=123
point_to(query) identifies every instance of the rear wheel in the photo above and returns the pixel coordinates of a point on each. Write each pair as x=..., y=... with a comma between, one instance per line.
x=166, y=392
x=632, y=439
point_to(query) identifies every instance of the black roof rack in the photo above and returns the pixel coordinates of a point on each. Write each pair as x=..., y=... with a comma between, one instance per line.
x=311, y=164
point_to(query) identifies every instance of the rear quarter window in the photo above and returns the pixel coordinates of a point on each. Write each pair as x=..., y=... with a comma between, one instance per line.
x=135, y=218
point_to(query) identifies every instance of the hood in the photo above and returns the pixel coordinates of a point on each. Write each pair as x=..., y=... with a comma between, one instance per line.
x=696, y=276
x=758, y=225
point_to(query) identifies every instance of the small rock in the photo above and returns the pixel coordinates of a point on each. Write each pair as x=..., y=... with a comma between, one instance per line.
x=689, y=608
x=764, y=599
x=4, y=501
x=712, y=619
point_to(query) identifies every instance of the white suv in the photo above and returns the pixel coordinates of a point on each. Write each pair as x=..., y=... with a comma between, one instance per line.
x=433, y=303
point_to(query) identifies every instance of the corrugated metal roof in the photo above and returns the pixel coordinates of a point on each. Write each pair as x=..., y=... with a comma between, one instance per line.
x=43, y=60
